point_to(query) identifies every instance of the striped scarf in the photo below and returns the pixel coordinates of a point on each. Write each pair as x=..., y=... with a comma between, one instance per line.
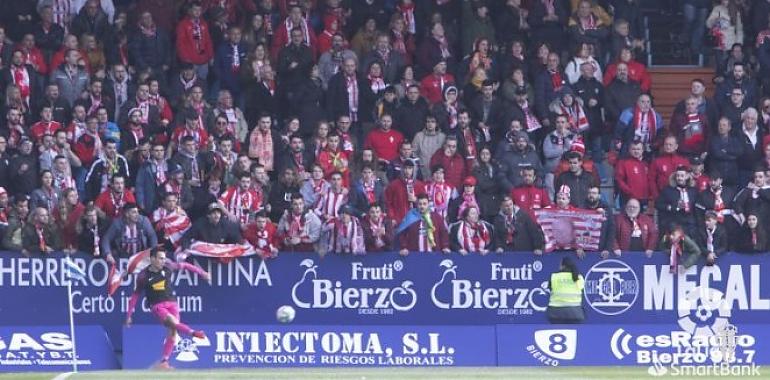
x=347, y=237
x=430, y=230
x=473, y=237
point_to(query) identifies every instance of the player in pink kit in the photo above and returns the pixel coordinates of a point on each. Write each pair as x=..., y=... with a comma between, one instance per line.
x=155, y=282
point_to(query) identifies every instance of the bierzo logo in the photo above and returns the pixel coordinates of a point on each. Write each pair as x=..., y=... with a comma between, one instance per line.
x=312, y=292
x=612, y=287
x=451, y=292
x=551, y=346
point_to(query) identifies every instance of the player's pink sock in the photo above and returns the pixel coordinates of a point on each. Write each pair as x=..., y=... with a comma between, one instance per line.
x=183, y=328
x=168, y=346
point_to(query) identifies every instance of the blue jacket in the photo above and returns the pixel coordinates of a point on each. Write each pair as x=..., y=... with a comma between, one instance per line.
x=358, y=196
x=223, y=64
x=114, y=236
x=146, y=190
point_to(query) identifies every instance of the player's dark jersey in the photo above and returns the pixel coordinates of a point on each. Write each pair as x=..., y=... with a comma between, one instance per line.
x=156, y=285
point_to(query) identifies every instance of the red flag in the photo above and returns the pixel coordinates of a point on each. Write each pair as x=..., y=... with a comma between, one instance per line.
x=223, y=252
x=136, y=264
x=570, y=229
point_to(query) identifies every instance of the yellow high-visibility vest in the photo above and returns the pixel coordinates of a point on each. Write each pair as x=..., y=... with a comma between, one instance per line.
x=565, y=291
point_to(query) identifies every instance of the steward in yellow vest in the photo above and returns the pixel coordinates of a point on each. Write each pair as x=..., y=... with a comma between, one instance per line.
x=565, y=304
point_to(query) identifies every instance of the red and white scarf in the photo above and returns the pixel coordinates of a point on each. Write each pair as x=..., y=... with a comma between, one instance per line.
x=440, y=194
x=172, y=223
x=261, y=148
x=533, y=123
x=676, y=251
x=377, y=226
x=352, y=86
x=407, y=12
x=330, y=202
x=131, y=240
x=241, y=203
x=21, y=80
x=473, y=237
x=377, y=83
x=289, y=25
x=347, y=237
x=368, y=187
x=645, y=125
x=576, y=116
x=469, y=200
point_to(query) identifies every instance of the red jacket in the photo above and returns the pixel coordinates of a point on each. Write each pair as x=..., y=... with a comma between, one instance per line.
x=632, y=178
x=113, y=208
x=384, y=144
x=431, y=89
x=694, y=143
x=530, y=198
x=624, y=229
x=702, y=182
x=396, y=201
x=190, y=50
x=58, y=58
x=410, y=237
x=661, y=169
x=636, y=72
x=455, y=169
x=264, y=241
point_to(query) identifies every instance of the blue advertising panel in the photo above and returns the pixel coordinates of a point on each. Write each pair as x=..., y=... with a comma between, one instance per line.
x=388, y=289
x=49, y=349
x=655, y=345
x=315, y=346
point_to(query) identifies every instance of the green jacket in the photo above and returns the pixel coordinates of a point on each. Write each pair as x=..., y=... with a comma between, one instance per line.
x=690, y=251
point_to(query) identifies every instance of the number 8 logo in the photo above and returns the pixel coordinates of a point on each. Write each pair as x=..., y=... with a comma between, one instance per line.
x=557, y=345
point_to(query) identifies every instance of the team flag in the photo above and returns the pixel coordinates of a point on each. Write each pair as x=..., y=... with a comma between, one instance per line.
x=136, y=264
x=570, y=229
x=73, y=271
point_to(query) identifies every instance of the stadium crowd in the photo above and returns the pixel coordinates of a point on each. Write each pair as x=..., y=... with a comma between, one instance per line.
x=356, y=126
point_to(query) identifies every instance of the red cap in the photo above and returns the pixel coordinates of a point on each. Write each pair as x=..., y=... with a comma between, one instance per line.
x=469, y=181
x=578, y=146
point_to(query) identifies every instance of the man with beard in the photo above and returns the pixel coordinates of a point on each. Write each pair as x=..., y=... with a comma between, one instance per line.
x=676, y=203
x=422, y=230
x=401, y=193
x=22, y=76
x=112, y=200
x=23, y=169
x=103, y=169
x=378, y=230
x=740, y=79
x=595, y=202
x=516, y=230
x=488, y=113
x=517, y=153
x=622, y=93
x=411, y=113
x=128, y=235
x=193, y=163
x=577, y=180
x=717, y=198
x=296, y=158
x=299, y=229
x=149, y=114
x=215, y=228
x=634, y=231
x=150, y=177
x=281, y=192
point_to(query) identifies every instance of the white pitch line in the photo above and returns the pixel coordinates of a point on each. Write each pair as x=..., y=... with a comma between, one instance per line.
x=63, y=376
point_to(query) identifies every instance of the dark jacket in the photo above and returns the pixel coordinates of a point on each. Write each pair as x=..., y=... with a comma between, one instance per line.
x=608, y=225
x=410, y=117
x=30, y=240
x=150, y=52
x=578, y=186
x=487, y=190
x=223, y=66
x=279, y=199
x=337, y=97
x=723, y=155
x=113, y=239
x=524, y=236
x=618, y=96
x=358, y=198
x=24, y=181
x=98, y=25
x=85, y=239
x=719, y=240
x=588, y=89
x=224, y=232
x=670, y=211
